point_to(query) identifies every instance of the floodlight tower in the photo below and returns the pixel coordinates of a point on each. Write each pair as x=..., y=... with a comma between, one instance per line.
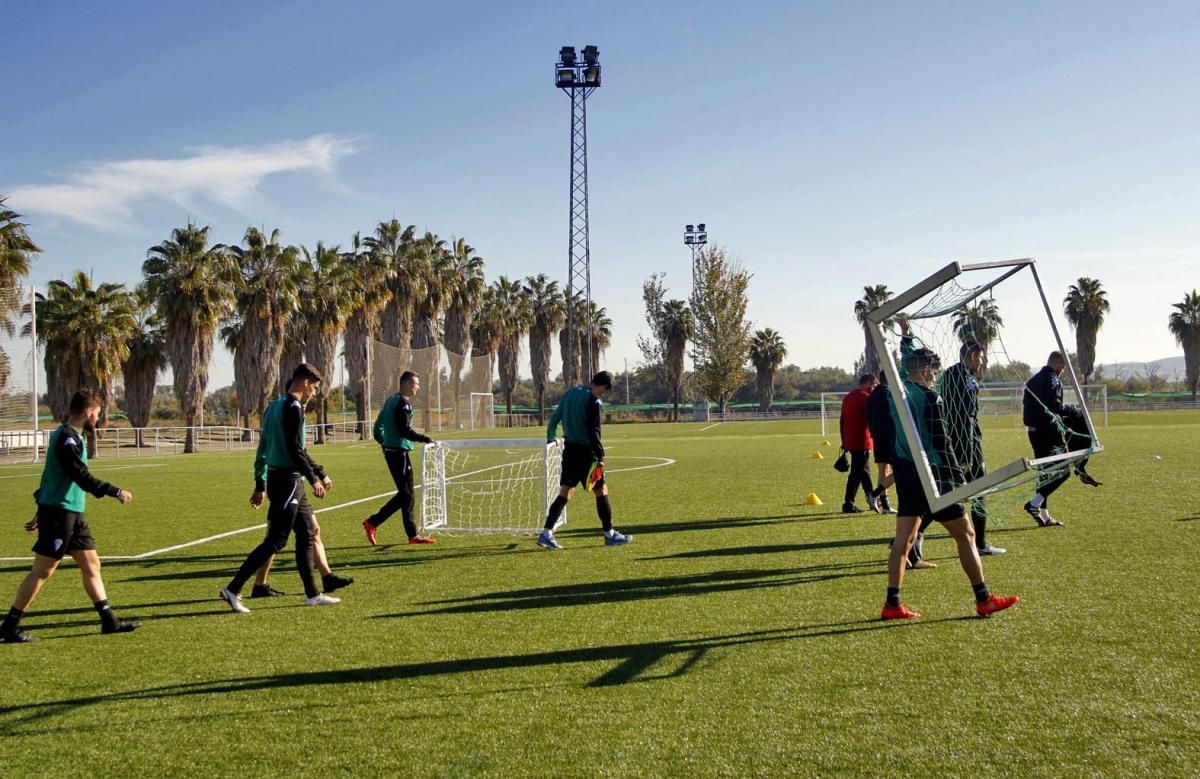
x=578, y=80
x=694, y=237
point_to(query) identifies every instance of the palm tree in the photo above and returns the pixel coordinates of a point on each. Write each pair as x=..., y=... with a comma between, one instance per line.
x=266, y=298
x=16, y=248
x=513, y=315
x=1185, y=326
x=326, y=296
x=678, y=327
x=485, y=339
x=86, y=331
x=371, y=275
x=599, y=326
x=548, y=312
x=570, y=338
x=193, y=285
x=462, y=296
x=1085, y=306
x=873, y=298
x=979, y=323
x=392, y=244
x=432, y=268
x=766, y=353
x=147, y=358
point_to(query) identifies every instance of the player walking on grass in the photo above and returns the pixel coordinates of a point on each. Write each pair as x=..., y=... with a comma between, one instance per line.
x=330, y=581
x=920, y=366
x=583, y=455
x=279, y=464
x=959, y=389
x=883, y=435
x=394, y=432
x=60, y=523
x=856, y=439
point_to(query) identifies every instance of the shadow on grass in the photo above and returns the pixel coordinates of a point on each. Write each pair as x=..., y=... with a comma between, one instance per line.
x=625, y=590
x=1188, y=519
x=725, y=523
x=632, y=663
x=736, y=551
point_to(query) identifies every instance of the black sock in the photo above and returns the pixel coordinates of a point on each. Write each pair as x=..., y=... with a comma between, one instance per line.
x=13, y=620
x=981, y=592
x=893, y=597
x=555, y=512
x=604, y=511
x=106, y=613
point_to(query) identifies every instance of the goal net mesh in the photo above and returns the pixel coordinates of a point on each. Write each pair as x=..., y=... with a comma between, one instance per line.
x=488, y=486
x=982, y=425
x=452, y=385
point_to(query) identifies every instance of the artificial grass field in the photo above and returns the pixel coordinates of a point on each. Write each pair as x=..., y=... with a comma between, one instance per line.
x=737, y=634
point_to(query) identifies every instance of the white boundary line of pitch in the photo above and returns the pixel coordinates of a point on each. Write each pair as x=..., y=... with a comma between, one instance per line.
x=663, y=462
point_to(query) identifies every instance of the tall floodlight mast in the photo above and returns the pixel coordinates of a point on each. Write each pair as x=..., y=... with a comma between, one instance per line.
x=578, y=80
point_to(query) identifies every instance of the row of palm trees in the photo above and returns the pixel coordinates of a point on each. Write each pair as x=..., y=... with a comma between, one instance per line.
x=274, y=305
x=1086, y=305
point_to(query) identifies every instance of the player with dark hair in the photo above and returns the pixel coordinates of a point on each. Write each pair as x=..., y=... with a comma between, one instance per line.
x=959, y=389
x=279, y=464
x=856, y=439
x=1042, y=408
x=582, y=457
x=394, y=432
x=60, y=522
x=883, y=435
x=920, y=367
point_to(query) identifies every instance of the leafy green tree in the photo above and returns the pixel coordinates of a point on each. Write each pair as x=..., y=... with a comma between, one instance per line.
x=513, y=316
x=671, y=328
x=463, y=292
x=1184, y=324
x=722, y=340
x=326, y=297
x=1085, y=306
x=767, y=351
x=548, y=313
x=371, y=274
x=391, y=245
x=873, y=298
x=599, y=328
x=193, y=284
x=146, y=360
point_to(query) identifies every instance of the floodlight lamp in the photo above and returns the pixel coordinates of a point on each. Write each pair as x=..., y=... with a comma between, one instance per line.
x=691, y=228
x=701, y=227
x=591, y=76
x=566, y=56
x=591, y=55
x=702, y=238
x=564, y=77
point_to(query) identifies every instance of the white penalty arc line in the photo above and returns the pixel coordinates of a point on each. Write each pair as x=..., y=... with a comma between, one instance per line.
x=710, y=427
x=662, y=462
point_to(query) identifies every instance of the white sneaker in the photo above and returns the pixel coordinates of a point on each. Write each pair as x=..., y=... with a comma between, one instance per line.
x=234, y=600
x=321, y=599
x=547, y=541
x=616, y=539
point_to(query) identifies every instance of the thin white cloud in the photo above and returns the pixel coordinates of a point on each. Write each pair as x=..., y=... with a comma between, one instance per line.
x=104, y=194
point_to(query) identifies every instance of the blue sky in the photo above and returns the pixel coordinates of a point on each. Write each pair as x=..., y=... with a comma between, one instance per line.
x=826, y=145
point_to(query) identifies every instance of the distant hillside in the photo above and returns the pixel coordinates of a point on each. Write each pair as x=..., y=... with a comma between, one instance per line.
x=1168, y=368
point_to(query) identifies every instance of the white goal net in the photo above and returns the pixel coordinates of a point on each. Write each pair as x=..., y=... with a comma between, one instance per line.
x=961, y=307
x=20, y=439
x=488, y=486
x=453, y=386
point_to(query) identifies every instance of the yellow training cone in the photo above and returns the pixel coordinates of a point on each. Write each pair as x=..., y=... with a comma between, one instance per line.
x=826, y=443
x=817, y=456
x=811, y=499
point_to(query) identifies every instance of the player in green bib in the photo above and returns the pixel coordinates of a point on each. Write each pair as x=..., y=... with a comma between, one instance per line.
x=280, y=467
x=579, y=413
x=61, y=499
x=394, y=432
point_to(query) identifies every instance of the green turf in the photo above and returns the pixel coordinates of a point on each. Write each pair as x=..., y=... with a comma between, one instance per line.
x=736, y=635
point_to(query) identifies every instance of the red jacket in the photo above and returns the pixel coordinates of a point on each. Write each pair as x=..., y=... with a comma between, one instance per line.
x=855, y=435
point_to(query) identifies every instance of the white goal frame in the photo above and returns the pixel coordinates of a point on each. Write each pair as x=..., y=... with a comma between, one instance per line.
x=436, y=512
x=477, y=397
x=995, y=479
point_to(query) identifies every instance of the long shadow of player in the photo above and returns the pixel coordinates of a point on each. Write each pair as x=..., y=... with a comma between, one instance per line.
x=632, y=663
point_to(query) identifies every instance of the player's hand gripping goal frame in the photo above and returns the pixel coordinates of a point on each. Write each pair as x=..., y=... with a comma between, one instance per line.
x=939, y=296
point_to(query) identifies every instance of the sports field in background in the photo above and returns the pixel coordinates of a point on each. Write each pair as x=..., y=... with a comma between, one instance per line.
x=737, y=634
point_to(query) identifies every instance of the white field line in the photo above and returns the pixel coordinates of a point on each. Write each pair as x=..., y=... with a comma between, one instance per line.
x=97, y=470
x=710, y=427
x=662, y=462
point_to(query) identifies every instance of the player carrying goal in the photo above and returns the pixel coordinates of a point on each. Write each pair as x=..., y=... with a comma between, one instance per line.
x=582, y=458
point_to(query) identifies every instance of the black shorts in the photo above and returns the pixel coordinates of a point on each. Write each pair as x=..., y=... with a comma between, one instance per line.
x=61, y=532
x=577, y=460
x=883, y=452
x=911, y=495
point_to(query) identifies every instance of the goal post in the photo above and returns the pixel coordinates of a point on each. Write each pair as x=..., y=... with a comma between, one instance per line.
x=501, y=485
x=944, y=312
x=482, y=410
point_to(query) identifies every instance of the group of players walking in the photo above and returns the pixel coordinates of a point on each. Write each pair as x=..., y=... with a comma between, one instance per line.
x=945, y=411
x=951, y=441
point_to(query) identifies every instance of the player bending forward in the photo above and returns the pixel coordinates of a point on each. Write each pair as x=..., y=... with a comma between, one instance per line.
x=919, y=368
x=579, y=413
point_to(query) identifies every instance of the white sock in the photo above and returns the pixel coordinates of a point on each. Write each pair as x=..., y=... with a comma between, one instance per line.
x=610, y=533
x=1037, y=501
